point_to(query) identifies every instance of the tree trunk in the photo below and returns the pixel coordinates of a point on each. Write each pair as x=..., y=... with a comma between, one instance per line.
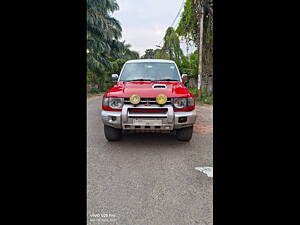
x=100, y=86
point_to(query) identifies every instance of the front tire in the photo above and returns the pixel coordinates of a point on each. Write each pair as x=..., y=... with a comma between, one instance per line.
x=112, y=134
x=184, y=134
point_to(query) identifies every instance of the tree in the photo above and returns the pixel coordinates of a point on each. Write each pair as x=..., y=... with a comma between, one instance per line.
x=149, y=54
x=126, y=53
x=171, y=48
x=189, y=64
x=189, y=29
x=106, y=54
x=103, y=32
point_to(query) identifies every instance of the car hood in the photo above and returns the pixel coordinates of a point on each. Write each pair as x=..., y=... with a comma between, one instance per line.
x=145, y=89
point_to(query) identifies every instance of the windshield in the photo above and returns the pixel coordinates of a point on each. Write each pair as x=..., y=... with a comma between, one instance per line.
x=150, y=71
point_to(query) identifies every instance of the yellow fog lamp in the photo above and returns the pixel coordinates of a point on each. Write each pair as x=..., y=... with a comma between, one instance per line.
x=135, y=99
x=161, y=99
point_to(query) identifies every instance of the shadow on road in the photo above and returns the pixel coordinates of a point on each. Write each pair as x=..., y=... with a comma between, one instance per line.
x=153, y=141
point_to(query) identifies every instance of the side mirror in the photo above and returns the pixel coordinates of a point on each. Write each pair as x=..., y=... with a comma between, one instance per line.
x=114, y=77
x=185, y=78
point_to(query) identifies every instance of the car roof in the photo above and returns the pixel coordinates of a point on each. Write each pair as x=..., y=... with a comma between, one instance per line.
x=150, y=60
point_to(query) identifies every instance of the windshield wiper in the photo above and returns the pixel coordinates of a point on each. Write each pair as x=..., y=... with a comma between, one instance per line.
x=139, y=80
x=166, y=80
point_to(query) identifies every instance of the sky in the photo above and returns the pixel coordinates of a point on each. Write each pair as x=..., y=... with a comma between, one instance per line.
x=144, y=22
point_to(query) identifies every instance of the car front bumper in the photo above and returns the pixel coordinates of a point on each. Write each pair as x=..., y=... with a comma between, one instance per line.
x=127, y=121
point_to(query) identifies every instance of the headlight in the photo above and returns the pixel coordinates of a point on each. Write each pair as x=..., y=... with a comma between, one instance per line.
x=105, y=101
x=114, y=103
x=180, y=103
x=190, y=101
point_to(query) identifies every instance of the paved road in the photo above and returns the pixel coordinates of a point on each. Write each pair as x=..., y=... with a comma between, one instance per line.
x=147, y=179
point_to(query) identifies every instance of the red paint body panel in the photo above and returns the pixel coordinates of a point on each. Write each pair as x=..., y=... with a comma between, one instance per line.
x=144, y=90
x=185, y=109
x=107, y=108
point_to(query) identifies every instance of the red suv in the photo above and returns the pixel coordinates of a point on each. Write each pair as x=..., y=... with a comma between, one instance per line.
x=149, y=96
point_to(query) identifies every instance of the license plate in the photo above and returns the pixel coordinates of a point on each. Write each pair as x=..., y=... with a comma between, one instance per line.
x=147, y=122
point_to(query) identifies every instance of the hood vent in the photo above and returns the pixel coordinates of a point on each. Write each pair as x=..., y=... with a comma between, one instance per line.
x=159, y=86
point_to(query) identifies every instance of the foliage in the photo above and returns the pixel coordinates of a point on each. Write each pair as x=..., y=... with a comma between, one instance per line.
x=206, y=98
x=94, y=91
x=193, y=90
x=149, y=53
x=189, y=28
x=106, y=54
x=189, y=64
x=188, y=23
x=103, y=32
x=171, y=48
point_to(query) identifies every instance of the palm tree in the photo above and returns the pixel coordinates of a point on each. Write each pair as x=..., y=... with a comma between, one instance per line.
x=128, y=54
x=106, y=54
x=103, y=32
x=171, y=48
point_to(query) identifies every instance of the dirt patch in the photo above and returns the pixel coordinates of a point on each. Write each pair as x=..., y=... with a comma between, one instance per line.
x=204, y=121
x=203, y=129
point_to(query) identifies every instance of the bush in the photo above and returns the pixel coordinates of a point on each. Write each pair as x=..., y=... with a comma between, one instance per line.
x=205, y=98
x=107, y=85
x=193, y=90
x=94, y=91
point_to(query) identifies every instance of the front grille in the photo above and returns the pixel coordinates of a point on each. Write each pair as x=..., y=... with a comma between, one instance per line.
x=147, y=118
x=147, y=101
x=137, y=110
